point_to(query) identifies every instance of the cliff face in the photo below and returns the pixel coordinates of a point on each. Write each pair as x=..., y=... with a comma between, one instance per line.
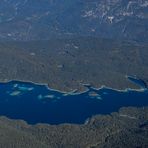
x=127, y=128
x=30, y=19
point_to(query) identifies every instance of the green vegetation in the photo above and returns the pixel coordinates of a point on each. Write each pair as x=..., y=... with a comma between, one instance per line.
x=65, y=64
x=127, y=128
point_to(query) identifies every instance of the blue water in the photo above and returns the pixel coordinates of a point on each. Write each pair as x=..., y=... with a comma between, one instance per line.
x=39, y=104
x=137, y=81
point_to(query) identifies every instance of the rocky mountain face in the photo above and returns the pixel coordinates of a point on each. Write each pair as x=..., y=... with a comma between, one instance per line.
x=43, y=19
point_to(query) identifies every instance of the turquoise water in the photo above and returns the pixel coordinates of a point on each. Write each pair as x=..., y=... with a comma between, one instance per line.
x=39, y=104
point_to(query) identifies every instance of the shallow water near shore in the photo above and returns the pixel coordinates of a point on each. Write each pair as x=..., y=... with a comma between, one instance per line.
x=39, y=104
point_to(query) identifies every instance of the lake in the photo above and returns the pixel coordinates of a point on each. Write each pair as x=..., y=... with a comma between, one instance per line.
x=39, y=104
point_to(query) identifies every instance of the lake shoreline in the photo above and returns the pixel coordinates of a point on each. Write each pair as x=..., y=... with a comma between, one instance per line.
x=78, y=107
x=83, y=84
